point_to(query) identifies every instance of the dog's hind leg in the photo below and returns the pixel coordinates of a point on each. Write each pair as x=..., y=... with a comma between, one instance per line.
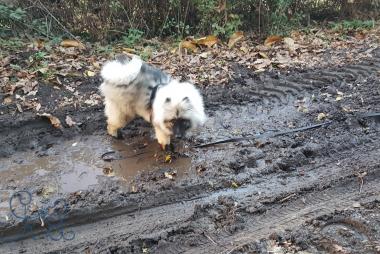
x=116, y=118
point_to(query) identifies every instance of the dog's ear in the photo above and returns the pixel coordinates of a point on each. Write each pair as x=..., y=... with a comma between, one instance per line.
x=122, y=58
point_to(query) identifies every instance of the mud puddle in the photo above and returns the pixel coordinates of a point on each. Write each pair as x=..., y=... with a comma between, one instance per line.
x=77, y=164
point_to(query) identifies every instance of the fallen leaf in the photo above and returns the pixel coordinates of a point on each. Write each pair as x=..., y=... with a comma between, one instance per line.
x=338, y=248
x=53, y=120
x=289, y=42
x=19, y=108
x=72, y=43
x=91, y=102
x=244, y=49
x=38, y=106
x=321, y=116
x=39, y=43
x=204, y=55
x=272, y=40
x=339, y=98
x=234, y=185
x=108, y=171
x=90, y=73
x=263, y=55
x=261, y=63
x=129, y=50
x=208, y=41
x=70, y=121
x=7, y=100
x=170, y=175
x=168, y=158
x=134, y=189
x=189, y=45
x=356, y=205
x=235, y=37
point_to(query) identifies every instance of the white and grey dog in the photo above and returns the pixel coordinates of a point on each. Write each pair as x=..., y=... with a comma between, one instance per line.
x=134, y=88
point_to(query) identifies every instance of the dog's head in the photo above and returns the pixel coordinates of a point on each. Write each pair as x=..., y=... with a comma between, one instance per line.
x=178, y=108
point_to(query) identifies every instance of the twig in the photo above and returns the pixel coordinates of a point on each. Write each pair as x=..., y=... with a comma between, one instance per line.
x=266, y=135
x=209, y=237
x=58, y=22
x=184, y=20
x=287, y=198
x=361, y=185
x=260, y=18
x=361, y=177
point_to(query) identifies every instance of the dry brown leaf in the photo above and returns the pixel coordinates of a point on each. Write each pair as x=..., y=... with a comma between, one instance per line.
x=262, y=63
x=272, y=40
x=235, y=37
x=168, y=158
x=7, y=100
x=72, y=43
x=289, y=42
x=263, y=55
x=208, y=41
x=170, y=175
x=244, y=49
x=321, y=116
x=19, y=108
x=39, y=43
x=129, y=50
x=53, y=120
x=189, y=45
x=70, y=121
x=90, y=73
x=38, y=106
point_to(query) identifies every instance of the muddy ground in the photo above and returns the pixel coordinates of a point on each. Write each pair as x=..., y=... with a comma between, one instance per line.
x=315, y=191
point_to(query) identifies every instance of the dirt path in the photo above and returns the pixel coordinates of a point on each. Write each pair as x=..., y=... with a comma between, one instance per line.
x=315, y=191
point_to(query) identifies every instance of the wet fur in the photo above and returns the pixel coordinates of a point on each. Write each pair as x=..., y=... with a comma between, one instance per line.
x=127, y=88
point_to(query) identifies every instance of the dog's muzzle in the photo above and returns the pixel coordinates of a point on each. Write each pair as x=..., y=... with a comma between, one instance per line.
x=180, y=127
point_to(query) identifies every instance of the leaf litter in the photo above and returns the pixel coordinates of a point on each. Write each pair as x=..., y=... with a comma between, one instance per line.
x=206, y=61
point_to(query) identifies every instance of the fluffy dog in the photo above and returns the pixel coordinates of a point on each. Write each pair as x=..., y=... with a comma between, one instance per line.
x=134, y=88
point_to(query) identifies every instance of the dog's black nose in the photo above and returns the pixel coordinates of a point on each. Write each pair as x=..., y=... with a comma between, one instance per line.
x=180, y=127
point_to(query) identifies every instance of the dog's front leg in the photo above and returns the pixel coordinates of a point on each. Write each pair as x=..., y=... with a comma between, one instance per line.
x=162, y=137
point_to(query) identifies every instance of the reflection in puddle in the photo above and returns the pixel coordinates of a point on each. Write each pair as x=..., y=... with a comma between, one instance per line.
x=76, y=165
x=144, y=155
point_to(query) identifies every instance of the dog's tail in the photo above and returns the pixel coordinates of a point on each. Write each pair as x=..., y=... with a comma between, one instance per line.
x=120, y=71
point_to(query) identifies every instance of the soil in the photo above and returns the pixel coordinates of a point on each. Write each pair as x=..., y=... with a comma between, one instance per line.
x=315, y=191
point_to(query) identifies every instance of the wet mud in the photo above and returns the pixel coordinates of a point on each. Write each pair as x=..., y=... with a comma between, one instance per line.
x=315, y=191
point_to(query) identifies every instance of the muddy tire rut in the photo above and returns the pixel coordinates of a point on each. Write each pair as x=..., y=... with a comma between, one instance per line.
x=316, y=190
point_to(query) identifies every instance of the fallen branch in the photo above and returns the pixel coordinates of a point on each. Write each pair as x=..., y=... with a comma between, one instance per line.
x=264, y=135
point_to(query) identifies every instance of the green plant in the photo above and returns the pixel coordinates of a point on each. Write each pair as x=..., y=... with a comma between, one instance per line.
x=9, y=18
x=11, y=43
x=346, y=25
x=132, y=37
x=13, y=20
x=282, y=20
x=232, y=25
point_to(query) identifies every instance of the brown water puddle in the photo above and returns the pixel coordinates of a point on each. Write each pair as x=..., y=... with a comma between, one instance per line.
x=77, y=165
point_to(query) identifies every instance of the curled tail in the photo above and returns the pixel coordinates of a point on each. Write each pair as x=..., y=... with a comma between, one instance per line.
x=121, y=72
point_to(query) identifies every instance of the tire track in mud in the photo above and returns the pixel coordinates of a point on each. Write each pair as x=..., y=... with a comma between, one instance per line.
x=281, y=89
x=328, y=171
x=177, y=217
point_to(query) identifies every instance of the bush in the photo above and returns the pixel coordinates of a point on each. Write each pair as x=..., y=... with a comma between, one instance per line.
x=129, y=20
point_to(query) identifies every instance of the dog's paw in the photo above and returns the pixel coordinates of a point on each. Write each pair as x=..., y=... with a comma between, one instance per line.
x=116, y=133
x=167, y=147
